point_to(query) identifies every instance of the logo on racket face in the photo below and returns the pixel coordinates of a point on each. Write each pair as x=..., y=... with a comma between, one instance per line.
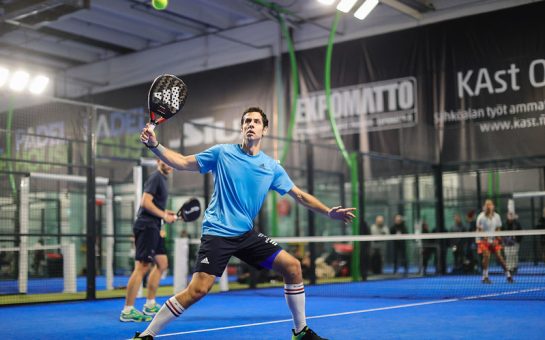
x=169, y=97
x=193, y=209
x=166, y=96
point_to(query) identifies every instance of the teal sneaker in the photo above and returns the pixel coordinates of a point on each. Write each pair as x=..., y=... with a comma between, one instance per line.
x=151, y=310
x=306, y=334
x=134, y=316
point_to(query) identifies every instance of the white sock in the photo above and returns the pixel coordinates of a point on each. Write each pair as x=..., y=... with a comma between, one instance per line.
x=507, y=273
x=168, y=312
x=485, y=273
x=295, y=297
x=150, y=302
x=127, y=309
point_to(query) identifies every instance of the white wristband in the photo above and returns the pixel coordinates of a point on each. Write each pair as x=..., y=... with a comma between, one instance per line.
x=158, y=150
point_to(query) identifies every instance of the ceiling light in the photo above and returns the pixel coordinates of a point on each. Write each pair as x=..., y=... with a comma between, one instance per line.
x=38, y=84
x=346, y=5
x=365, y=9
x=4, y=74
x=18, y=80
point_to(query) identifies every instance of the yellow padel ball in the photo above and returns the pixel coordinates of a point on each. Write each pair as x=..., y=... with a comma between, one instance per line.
x=159, y=4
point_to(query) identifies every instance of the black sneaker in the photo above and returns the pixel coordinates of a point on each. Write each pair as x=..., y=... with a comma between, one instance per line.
x=145, y=337
x=486, y=280
x=306, y=334
x=510, y=279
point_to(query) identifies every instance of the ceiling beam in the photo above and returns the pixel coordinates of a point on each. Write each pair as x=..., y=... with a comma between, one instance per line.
x=85, y=40
x=101, y=33
x=9, y=57
x=66, y=60
x=120, y=24
x=142, y=13
x=206, y=16
x=403, y=8
x=34, y=41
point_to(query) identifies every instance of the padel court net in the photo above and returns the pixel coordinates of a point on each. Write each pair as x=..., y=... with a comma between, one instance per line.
x=409, y=266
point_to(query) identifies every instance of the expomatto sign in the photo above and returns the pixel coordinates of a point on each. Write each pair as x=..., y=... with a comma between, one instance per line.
x=383, y=105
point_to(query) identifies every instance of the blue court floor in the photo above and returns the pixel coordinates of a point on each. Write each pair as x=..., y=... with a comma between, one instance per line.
x=263, y=314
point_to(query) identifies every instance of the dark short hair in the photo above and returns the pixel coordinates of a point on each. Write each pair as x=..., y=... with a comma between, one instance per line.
x=255, y=109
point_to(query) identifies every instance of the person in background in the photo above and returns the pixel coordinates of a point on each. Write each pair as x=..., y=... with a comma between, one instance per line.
x=512, y=243
x=378, y=248
x=489, y=221
x=400, y=248
x=459, y=245
x=39, y=261
x=150, y=252
x=429, y=248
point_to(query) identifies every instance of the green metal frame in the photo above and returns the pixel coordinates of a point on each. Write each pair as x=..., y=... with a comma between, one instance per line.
x=351, y=159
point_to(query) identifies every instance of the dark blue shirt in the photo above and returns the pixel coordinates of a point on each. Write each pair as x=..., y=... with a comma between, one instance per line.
x=157, y=186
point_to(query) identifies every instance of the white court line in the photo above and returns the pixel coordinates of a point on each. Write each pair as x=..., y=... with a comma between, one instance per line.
x=409, y=305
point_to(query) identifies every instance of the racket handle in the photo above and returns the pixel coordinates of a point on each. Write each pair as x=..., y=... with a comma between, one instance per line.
x=152, y=126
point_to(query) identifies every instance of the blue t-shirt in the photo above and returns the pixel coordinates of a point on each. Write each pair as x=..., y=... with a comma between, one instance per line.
x=241, y=183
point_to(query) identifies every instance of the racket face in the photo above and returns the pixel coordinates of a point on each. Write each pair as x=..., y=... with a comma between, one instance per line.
x=166, y=97
x=190, y=210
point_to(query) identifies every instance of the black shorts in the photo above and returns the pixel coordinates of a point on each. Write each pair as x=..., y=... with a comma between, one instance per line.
x=148, y=243
x=255, y=249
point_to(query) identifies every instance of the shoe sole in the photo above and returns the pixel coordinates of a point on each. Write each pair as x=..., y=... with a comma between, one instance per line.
x=132, y=320
x=149, y=313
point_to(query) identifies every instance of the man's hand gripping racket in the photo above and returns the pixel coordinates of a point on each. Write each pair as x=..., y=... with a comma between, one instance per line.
x=190, y=210
x=166, y=97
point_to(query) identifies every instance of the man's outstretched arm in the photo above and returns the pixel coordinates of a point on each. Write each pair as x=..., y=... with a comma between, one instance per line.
x=171, y=157
x=309, y=201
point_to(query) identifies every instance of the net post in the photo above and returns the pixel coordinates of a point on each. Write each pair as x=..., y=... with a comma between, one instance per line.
x=109, y=238
x=181, y=255
x=364, y=228
x=23, y=230
x=69, y=267
x=311, y=216
x=91, y=202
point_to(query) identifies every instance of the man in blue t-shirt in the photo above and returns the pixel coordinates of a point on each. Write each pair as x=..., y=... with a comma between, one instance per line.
x=149, y=244
x=243, y=175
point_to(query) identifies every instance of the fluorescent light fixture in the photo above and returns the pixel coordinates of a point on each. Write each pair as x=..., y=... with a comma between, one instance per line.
x=365, y=9
x=4, y=75
x=19, y=80
x=346, y=5
x=38, y=84
x=326, y=2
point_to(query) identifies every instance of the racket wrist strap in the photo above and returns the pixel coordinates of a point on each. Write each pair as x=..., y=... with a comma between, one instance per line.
x=152, y=146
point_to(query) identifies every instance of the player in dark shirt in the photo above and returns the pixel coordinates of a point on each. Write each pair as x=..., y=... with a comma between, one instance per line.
x=150, y=246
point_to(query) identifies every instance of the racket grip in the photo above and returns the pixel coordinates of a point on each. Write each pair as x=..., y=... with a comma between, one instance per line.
x=152, y=126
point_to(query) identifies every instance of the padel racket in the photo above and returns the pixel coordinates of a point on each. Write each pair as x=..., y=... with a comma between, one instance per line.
x=166, y=97
x=190, y=210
